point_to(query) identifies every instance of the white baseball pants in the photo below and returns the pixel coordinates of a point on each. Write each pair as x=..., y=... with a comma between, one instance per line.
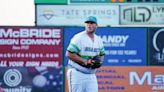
x=81, y=82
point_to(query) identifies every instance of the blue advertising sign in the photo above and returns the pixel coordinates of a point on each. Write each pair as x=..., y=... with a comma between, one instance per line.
x=156, y=46
x=123, y=46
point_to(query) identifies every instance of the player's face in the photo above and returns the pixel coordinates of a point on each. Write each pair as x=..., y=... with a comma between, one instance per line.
x=90, y=27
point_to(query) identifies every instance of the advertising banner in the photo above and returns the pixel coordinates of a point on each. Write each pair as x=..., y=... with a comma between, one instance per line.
x=31, y=79
x=51, y=2
x=143, y=14
x=129, y=79
x=75, y=15
x=123, y=46
x=30, y=47
x=156, y=46
x=88, y=1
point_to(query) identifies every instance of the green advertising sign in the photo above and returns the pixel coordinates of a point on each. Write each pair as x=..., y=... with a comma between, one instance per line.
x=144, y=1
x=89, y=1
x=64, y=2
x=114, y=1
x=51, y=2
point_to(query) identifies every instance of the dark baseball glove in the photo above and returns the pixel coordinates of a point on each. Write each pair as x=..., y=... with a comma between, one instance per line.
x=96, y=62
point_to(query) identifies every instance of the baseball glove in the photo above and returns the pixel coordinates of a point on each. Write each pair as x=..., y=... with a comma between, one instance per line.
x=96, y=62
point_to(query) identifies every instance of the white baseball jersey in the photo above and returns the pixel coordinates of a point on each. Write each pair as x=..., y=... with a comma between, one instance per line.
x=81, y=79
x=86, y=48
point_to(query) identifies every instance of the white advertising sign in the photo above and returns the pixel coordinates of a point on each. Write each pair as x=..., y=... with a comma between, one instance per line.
x=144, y=14
x=75, y=15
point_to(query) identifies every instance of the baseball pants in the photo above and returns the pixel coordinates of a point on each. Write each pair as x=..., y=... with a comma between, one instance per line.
x=81, y=82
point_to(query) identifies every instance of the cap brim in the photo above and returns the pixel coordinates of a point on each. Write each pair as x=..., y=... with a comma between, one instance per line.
x=90, y=22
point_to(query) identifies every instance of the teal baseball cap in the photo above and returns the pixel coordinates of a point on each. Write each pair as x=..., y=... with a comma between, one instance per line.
x=91, y=19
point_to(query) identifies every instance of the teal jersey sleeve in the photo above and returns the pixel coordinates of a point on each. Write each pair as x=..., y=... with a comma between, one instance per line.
x=74, y=45
x=102, y=49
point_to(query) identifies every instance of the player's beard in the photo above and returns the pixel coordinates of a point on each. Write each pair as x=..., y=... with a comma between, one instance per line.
x=91, y=30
